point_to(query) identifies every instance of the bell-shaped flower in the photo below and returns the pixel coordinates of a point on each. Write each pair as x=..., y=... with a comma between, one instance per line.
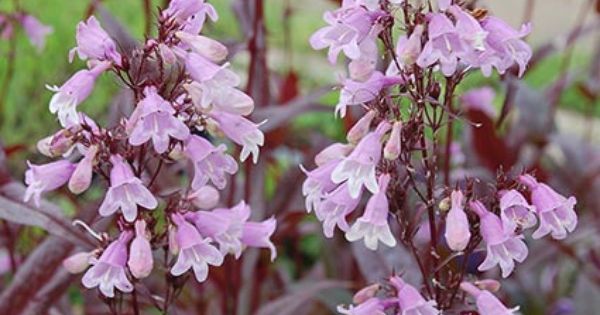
x=317, y=184
x=373, y=225
x=334, y=208
x=507, y=45
x=515, y=211
x=205, y=46
x=486, y=302
x=35, y=30
x=126, y=192
x=205, y=197
x=408, y=50
x=444, y=45
x=372, y=306
x=361, y=128
x=361, y=68
x=184, y=11
x=140, y=253
x=469, y=30
x=457, y=232
x=82, y=176
x=73, y=92
x=258, y=234
x=108, y=272
x=94, y=43
x=410, y=300
x=153, y=119
x=210, y=162
x=357, y=92
x=241, y=131
x=195, y=252
x=46, y=177
x=335, y=151
x=555, y=211
x=503, y=246
x=78, y=262
x=358, y=168
x=393, y=146
x=200, y=68
x=60, y=143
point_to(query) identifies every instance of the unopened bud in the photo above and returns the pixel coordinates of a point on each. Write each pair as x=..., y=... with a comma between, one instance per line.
x=79, y=262
x=207, y=47
x=361, y=128
x=332, y=152
x=392, y=148
x=365, y=293
x=140, y=253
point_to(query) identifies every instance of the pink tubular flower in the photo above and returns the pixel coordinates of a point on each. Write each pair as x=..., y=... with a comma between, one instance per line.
x=205, y=197
x=94, y=43
x=74, y=92
x=205, y=46
x=411, y=301
x=372, y=306
x=458, y=231
x=82, y=176
x=348, y=26
x=108, y=271
x=392, y=148
x=78, y=262
x=503, y=246
x=35, y=30
x=361, y=128
x=360, y=69
x=408, y=50
x=258, y=234
x=241, y=131
x=366, y=293
x=357, y=93
x=199, y=67
x=195, y=251
x=140, y=254
x=515, y=211
x=210, y=162
x=373, y=225
x=444, y=45
x=126, y=192
x=317, y=184
x=469, y=30
x=335, y=151
x=46, y=177
x=153, y=119
x=358, y=168
x=334, y=208
x=507, y=45
x=557, y=213
x=184, y=11
x=487, y=303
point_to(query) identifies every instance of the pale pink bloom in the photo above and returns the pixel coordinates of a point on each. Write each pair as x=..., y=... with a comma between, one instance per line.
x=335, y=151
x=361, y=128
x=60, y=143
x=556, y=212
x=372, y=306
x=258, y=234
x=153, y=119
x=46, y=177
x=205, y=46
x=411, y=302
x=200, y=68
x=357, y=92
x=361, y=68
x=195, y=251
x=108, y=271
x=35, y=30
x=140, y=253
x=94, y=43
x=205, y=197
x=503, y=246
x=366, y=293
x=241, y=131
x=317, y=184
x=469, y=30
x=74, y=92
x=506, y=45
x=167, y=54
x=444, y=45
x=408, y=50
x=82, y=176
x=334, y=208
x=515, y=211
x=210, y=162
x=487, y=303
x=488, y=285
x=391, y=150
x=358, y=168
x=457, y=232
x=190, y=12
x=126, y=192
x=78, y=262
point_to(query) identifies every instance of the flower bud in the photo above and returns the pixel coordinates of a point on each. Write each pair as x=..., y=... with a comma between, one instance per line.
x=361, y=128
x=333, y=152
x=140, y=253
x=392, y=148
x=167, y=55
x=207, y=47
x=82, y=176
x=365, y=293
x=488, y=284
x=205, y=197
x=79, y=262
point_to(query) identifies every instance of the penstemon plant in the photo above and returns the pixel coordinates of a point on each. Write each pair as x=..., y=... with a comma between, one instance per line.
x=186, y=108
x=395, y=152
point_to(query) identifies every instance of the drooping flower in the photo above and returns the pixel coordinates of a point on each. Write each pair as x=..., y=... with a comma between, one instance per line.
x=205, y=46
x=258, y=234
x=317, y=184
x=335, y=151
x=78, y=262
x=507, y=45
x=73, y=92
x=503, y=246
x=411, y=301
x=46, y=177
x=391, y=150
x=334, y=208
x=408, y=50
x=200, y=68
x=195, y=251
x=126, y=192
x=205, y=197
x=190, y=12
x=372, y=306
x=58, y=144
x=556, y=212
x=361, y=68
x=210, y=162
x=94, y=43
x=241, y=131
x=108, y=272
x=373, y=224
x=457, y=232
x=361, y=128
x=515, y=211
x=487, y=303
x=469, y=30
x=444, y=45
x=357, y=92
x=153, y=119
x=35, y=30
x=358, y=168
x=140, y=254
x=82, y=176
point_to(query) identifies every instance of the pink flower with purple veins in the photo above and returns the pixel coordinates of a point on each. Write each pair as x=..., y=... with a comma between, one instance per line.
x=108, y=272
x=444, y=46
x=373, y=225
x=334, y=208
x=372, y=306
x=487, y=303
x=210, y=162
x=126, y=192
x=317, y=184
x=515, y=211
x=507, y=44
x=357, y=93
x=503, y=246
x=154, y=119
x=241, y=131
x=35, y=30
x=195, y=252
x=555, y=211
x=94, y=43
x=258, y=234
x=457, y=232
x=46, y=177
x=358, y=168
x=411, y=302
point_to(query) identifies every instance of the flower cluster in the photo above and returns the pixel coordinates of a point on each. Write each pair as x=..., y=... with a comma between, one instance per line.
x=35, y=30
x=186, y=100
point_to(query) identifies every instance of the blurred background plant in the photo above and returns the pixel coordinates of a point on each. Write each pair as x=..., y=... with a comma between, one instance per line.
x=548, y=122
